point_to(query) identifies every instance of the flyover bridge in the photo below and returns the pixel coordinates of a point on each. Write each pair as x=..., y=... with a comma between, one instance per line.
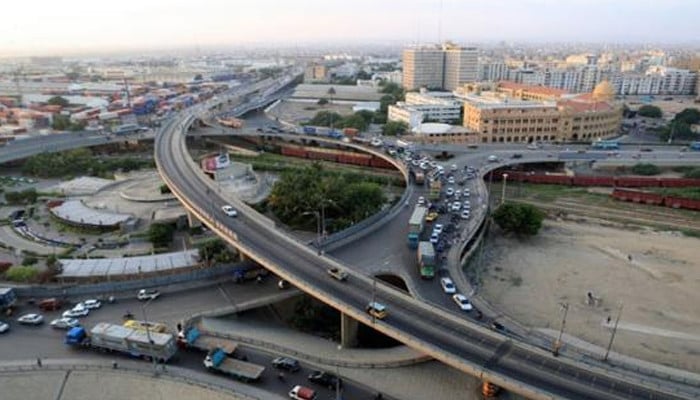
x=473, y=349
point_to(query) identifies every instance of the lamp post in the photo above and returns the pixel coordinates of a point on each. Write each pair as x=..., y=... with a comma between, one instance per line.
x=503, y=191
x=557, y=344
x=612, y=336
x=148, y=333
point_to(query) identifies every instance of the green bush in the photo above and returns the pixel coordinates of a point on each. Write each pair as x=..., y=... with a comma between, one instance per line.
x=646, y=169
x=29, y=260
x=692, y=173
x=523, y=219
x=21, y=273
x=650, y=111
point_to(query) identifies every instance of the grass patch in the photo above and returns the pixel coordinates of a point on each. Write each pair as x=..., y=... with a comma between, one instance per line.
x=687, y=192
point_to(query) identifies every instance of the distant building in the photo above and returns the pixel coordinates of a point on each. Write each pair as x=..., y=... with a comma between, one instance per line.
x=511, y=113
x=423, y=67
x=432, y=132
x=317, y=73
x=434, y=67
x=426, y=106
x=461, y=66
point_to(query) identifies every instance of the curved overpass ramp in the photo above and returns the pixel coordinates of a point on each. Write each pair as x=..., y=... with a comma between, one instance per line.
x=472, y=349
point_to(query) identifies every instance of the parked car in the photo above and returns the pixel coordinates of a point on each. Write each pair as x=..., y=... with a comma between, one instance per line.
x=447, y=285
x=148, y=294
x=76, y=313
x=229, y=210
x=463, y=302
x=64, y=323
x=286, y=363
x=325, y=379
x=31, y=319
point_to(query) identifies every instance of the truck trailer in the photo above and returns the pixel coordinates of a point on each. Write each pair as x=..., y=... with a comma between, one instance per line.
x=118, y=338
x=415, y=226
x=218, y=361
x=8, y=298
x=193, y=338
x=426, y=260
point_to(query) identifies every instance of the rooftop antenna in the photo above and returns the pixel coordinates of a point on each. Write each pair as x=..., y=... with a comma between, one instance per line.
x=440, y=23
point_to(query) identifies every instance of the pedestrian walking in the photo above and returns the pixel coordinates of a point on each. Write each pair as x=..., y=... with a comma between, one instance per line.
x=38, y=361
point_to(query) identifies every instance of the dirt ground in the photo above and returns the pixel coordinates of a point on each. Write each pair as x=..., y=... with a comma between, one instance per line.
x=654, y=275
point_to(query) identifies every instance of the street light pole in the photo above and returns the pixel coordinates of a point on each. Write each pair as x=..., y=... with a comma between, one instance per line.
x=374, y=295
x=557, y=344
x=503, y=192
x=148, y=333
x=612, y=336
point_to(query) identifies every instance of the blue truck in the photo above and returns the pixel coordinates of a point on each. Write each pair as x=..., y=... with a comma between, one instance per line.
x=695, y=146
x=309, y=130
x=193, y=338
x=117, y=338
x=333, y=134
x=218, y=361
x=8, y=298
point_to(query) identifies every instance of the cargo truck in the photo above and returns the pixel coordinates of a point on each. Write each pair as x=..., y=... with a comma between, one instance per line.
x=217, y=361
x=195, y=339
x=426, y=260
x=8, y=298
x=415, y=226
x=117, y=338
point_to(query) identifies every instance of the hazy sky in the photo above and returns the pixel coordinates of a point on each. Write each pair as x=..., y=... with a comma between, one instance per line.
x=73, y=26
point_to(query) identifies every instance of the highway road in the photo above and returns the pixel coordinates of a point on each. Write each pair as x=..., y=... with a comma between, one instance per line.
x=520, y=368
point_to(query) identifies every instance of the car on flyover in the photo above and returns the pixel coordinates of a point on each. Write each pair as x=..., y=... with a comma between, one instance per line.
x=325, y=379
x=377, y=310
x=337, y=273
x=229, y=210
x=286, y=363
x=148, y=294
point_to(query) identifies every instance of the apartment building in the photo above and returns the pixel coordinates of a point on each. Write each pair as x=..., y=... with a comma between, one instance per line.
x=461, y=66
x=423, y=67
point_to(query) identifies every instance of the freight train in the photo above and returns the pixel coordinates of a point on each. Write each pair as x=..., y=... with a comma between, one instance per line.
x=604, y=181
x=334, y=155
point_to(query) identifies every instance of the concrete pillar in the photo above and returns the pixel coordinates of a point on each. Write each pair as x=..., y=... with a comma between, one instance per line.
x=193, y=221
x=348, y=331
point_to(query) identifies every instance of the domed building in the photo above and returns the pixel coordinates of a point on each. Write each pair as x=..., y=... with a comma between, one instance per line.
x=604, y=91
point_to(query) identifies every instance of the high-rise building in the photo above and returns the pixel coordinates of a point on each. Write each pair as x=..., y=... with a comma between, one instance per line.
x=423, y=67
x=461, y=66
x=434, y=67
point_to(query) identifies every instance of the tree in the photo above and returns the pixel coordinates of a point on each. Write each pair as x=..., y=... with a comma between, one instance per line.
x=688, y=116
x=161, y=234
x=324, y=118
x=384, y=103
x=215, y=251
x=353, y=121
x=646, y=169
x=393, y=128
x=58, y=101
x=521, y=219
x=331, y=93
x=650, y=111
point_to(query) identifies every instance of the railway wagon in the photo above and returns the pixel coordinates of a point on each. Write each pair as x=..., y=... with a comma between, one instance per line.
x=638, y=197
x=593, y=181
x=680, y=202
x=628, y=181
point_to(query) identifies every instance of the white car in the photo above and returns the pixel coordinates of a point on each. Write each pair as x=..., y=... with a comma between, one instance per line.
x=4, y=327
x=376, y=142
x=230, y=211
x=456, y=206
x=434, y=238
x=421, y=200
x=92, y=304
x=465, y=214
x=448, y=286
x=451, y=180
x=148, y=294
x=463, y=302
x=453, y=167
x=467, y=193
x=64, y=323
x=31, y=319
x=438, y=228
x=493, y=158
x=449, y=192
x=424, y=166
x=76, y=313
x=415, y=163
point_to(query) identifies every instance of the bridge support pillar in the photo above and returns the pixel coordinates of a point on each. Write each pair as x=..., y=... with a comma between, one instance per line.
x=193, y=221
x=348, y=331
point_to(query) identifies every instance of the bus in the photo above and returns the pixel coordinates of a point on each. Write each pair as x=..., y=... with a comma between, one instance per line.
x=605, y=145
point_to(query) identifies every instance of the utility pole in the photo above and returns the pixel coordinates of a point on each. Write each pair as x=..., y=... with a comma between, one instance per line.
x=557, y=344
x=612, y=336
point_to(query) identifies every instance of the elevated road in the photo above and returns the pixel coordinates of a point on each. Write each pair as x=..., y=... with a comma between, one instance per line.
x=472, y=349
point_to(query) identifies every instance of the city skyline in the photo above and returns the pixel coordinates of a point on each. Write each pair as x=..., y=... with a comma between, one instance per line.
x=78, y=26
